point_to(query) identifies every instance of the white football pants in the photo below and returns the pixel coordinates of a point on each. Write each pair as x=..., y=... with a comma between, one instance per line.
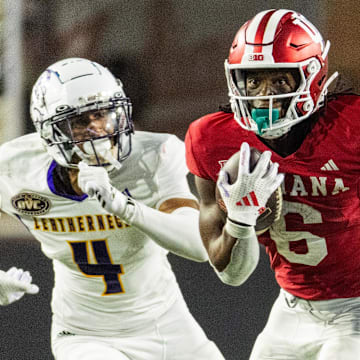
x=298, y=329
x=174, y=336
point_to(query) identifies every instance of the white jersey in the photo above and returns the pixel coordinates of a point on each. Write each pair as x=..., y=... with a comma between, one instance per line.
x=109, y=277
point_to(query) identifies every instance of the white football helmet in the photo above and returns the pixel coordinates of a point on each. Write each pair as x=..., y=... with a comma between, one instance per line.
x=66, y=99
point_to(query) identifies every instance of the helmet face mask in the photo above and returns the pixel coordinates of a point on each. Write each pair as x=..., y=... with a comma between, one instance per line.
x=82, y=113
x=289, y=115
x=282, y=41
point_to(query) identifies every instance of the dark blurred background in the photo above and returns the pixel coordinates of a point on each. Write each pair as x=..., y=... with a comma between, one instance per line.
x=169, y=55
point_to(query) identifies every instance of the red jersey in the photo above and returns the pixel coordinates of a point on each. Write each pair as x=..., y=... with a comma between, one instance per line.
x=314, y=248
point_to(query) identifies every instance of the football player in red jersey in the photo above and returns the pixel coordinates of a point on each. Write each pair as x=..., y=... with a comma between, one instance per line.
x=277, y=79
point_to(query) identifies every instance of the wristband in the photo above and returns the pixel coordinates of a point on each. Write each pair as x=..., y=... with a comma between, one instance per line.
x=238, y=231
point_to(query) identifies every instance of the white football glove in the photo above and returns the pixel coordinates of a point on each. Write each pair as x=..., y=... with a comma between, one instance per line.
x=246, y=198
x=14, y=284
x=95, y=181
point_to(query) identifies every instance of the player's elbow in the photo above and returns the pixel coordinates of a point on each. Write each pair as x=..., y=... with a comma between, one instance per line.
x=238, y=280
x=197, y=254
x=202, y=256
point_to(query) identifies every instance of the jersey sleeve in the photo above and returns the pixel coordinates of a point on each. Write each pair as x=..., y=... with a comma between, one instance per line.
x=172, y=171
x=194, y=151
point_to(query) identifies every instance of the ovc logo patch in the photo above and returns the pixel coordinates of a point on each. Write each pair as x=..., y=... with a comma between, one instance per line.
x=31, y=204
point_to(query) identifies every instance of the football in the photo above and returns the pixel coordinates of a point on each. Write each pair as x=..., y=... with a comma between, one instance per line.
x=274, y=204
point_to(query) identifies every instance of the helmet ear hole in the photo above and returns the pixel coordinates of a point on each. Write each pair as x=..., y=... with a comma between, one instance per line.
x=312, y=67
x=308, y=106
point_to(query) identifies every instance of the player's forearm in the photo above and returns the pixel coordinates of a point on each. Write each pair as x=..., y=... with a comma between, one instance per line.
x=177, y=232
x=242, y=257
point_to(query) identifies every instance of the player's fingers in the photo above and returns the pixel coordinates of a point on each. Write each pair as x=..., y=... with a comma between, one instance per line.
x=11, y=271
x=83, y=178
x=83, y=165
x=98, y=196
x=16, y=296
x=94, y=175
x=19, y=286
x=24, y=286
x=278, y=180
x=100, y=199
x=244, y=159
x=86, y=183
x=273, y=170
x=91, y=188
x=17, y=274
x=26, y=277
x=223, y=183
x=262, y=164
x=32, y=289
x=223, y=178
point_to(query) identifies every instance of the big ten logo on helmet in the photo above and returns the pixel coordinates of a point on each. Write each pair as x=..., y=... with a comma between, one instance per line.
x=256, y=57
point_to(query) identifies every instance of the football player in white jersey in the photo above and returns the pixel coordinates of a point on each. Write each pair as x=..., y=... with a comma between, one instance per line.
x=115, y=296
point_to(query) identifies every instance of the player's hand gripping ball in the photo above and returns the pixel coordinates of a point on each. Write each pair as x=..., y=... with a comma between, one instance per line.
x=273, y=206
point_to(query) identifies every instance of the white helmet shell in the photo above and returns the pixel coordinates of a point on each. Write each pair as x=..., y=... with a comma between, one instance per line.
x=73, y=85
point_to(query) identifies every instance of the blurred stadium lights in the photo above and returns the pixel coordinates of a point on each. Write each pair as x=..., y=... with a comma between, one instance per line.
x=11, y=75
x=11, y=90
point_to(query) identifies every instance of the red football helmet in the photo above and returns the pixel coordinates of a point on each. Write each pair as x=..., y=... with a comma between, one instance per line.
x=278, y=39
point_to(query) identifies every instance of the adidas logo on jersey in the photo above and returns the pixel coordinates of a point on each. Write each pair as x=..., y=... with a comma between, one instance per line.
x=330, y=166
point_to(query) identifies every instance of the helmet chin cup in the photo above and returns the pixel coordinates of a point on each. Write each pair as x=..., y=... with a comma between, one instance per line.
x=100, y=149
x=264, y=118
x=99, y=146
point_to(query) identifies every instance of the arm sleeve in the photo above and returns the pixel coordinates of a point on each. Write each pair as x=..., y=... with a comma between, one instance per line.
x=172, y=171
x=244, y=258
x=177, y=232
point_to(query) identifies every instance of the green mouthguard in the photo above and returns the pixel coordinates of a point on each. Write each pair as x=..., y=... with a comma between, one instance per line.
x=262, y=118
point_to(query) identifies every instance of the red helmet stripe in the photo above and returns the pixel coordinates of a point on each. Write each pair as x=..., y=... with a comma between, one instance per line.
x=273, y=24
x=260, y=32
x=251, y=30
x=262, y=28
